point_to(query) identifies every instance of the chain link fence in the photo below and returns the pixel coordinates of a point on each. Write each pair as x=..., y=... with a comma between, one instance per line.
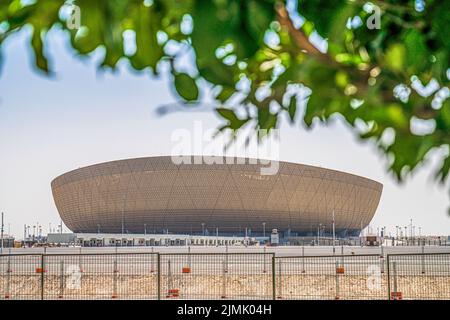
x=216, y=276
x=21, y=277
x=224, y=276
x=104, y=276
x=331, y=277
x=419, y=276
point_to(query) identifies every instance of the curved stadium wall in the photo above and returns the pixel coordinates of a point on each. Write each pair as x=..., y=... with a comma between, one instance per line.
x=159, y=196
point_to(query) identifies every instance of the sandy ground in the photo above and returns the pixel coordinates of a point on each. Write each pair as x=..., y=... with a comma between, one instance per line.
x=223, y=287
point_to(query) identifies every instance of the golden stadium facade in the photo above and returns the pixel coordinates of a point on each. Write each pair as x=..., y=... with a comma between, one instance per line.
x=156, y=195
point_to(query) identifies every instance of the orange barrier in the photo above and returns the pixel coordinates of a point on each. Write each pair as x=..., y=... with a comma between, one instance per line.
x=340, y=270
x=396, y=296
x=173, y=293
x=186, y=270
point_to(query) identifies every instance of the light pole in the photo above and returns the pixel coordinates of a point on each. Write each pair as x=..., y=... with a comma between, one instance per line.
x=203, y=228
x=123, y=209
x=145, y=229
x=410, y=228
x=217, y=236
x=318, y=234
x=264, y=229
x=396, y=229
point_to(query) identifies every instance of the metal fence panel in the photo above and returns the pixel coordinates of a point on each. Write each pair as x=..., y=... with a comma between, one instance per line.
x=100, y=276
x=330, y=277
x=20, y=277
x=216, y=276
x=224, y=276
x=419, y=276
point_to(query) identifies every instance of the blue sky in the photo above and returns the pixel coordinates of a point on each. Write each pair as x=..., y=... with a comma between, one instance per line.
x=83, y=116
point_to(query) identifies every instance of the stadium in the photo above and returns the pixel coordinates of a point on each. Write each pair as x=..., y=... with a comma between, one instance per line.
x=155, y=195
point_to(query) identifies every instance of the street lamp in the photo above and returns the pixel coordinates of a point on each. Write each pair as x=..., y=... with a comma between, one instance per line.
x=123, y=212
x=318, y=233
x=410, y=228
x=203, y=228
x=145, y=229
x=264, y=229
x=396, y=229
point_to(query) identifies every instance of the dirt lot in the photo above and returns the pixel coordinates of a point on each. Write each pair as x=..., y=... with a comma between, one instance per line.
x=191, y=286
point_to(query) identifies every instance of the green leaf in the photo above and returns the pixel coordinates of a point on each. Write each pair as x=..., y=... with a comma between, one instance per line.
x=266, y=119
x=292, y=108
x=234, y=122
x=322, y=14
x=146, y=24
x=259, y=16
x=38, y=50
x=225, y=94
x=444, y=171
x=417, y=53
x=186, y=86
x=395, y=57
x=228, y=114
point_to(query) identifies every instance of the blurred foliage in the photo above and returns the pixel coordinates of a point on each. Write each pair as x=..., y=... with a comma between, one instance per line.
x=376, y=79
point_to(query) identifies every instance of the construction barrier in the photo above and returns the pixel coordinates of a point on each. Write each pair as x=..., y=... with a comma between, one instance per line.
x=224, y=276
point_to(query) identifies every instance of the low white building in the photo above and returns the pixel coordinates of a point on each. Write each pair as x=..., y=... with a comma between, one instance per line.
x=133, y=240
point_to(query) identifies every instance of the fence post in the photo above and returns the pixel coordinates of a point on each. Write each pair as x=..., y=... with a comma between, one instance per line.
x=189, y=258
x=423, y=260
x=61, y=279
x=337, y=280
x=42, y=276
x=80, y=263
x=158, y=267
x=382, y=259
x=224, y=280
x=280, y=283
x=394, y=267
x=388, y=277
x=226, y=258
x=303, y=260
x=169, y=279
x=8, y=284
x=264, y=263
x=115, y=271
x=273, y=277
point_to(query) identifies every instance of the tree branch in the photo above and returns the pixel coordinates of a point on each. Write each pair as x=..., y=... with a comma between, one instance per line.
x=300, y=38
